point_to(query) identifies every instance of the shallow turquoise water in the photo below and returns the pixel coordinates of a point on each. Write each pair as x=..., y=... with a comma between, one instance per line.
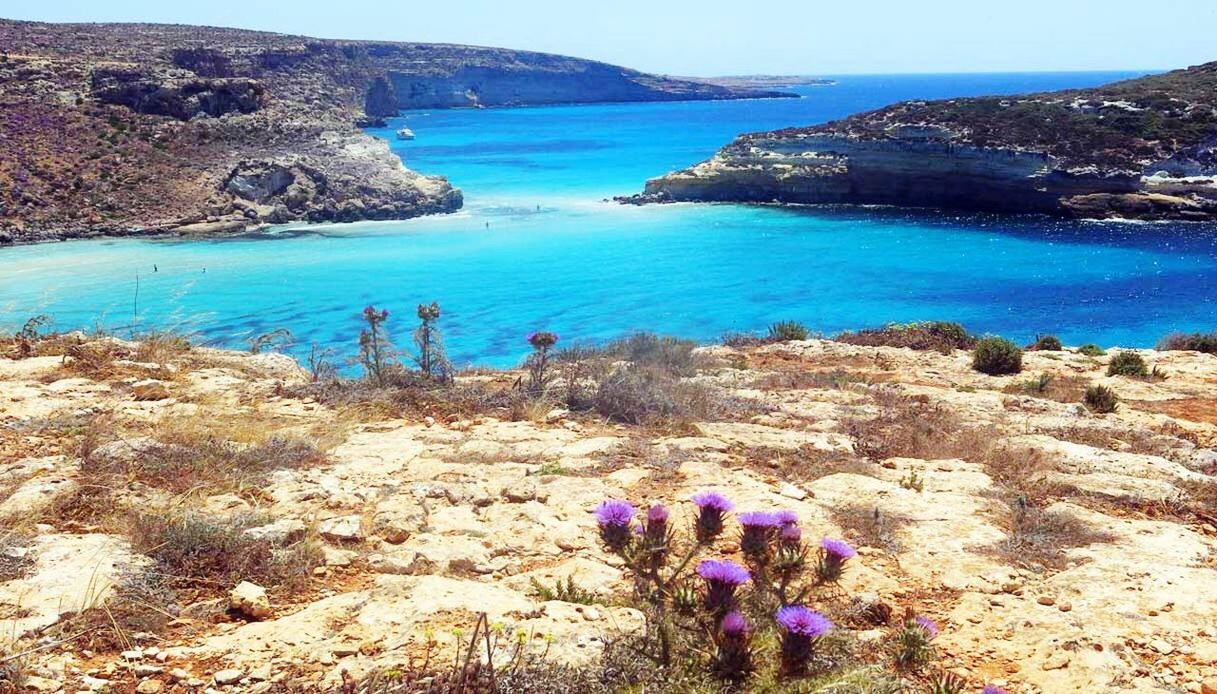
x=536, y=248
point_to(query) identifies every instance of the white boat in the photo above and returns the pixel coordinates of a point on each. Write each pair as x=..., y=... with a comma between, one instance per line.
x=405, y=134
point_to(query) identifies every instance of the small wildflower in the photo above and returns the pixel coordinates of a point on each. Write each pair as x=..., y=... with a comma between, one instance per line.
x=614, y=517
x=786, y=518
x=733, y=657
x=712, y=508
x=992, y=689
x=722, y=579
x=927, y=625
x=801, y=630
x=656, y=536
x=759, y=528
x=791, y=536
x=833, y=555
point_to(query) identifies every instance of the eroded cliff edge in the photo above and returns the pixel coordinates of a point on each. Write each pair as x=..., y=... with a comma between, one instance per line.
x=133, y=128
x=1143, y=148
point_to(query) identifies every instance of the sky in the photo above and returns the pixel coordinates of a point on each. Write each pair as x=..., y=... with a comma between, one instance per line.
x=715, y=37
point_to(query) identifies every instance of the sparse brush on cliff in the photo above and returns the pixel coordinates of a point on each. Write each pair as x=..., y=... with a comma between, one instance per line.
x=278, y=338
x=376, y=353
x=788, y=331
x=1128, y=364
x=1091, y=350
x=1101, y=399
x=1045, y=343
x=938, y=336
x=1193, y=342
x=997, y=356
x=1041, y=536
x=671, y=354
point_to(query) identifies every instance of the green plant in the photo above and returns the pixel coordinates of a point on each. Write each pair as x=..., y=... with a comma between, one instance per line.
x=1101, y=399
x=913, y=481
x=431, y=360
x=1035, y=386
x=1128, y=364
x=1091, y=350
x=787, y=331
x=375, y=350
x=947, y=683
x=1046, y=343
x=997, y=356
x=567, y=591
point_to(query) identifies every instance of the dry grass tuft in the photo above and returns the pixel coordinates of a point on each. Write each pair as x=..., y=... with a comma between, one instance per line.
x=1067, y=389
x=1041, y=537
x=196, y=550
x=869, y=526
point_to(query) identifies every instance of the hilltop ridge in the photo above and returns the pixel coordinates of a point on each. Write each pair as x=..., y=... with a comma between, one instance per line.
x=1143, y=148
x=135, y=128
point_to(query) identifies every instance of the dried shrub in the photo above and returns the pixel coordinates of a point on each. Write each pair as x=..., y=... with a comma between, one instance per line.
x=1190, y=342
x=1128, y=364
x=1067, y=388
x=805, y=379
x=997, y=356
x=670, y=354
x=1038, y=536
x=1046, y=343
x=938, y=336
x=185, y=460
x=193, y=550
x=140, y=603
x=869, y=526
x=649, y=394
x=1101, y=399
x=906, y=427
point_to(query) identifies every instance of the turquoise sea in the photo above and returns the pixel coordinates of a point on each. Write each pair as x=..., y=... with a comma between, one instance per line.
x=536, y=247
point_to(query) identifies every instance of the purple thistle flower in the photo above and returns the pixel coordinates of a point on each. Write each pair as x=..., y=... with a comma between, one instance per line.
x=925, y=623
x=992, y=689
x=655, y=532
x=759, y=519
x=735, y=625
x=787, y=518
x=791, y=536
x=838, y=548
x=833, y=555
x=614, y=517
x=799, y=620
x=759, y=528
x=712, y=507
x=801, y=630
x=722, y=578
x=733, y=659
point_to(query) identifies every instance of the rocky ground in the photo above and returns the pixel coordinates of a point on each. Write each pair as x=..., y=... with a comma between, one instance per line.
x=1138, y=149
x=404, y=524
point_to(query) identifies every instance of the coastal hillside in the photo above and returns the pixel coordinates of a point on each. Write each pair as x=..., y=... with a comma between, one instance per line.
x=129, y=128
x=1143, y=148
x=177, y=518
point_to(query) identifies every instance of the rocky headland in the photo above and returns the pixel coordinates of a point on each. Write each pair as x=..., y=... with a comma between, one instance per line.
x=1141, y=149
x=137, y=128
x=182, y=519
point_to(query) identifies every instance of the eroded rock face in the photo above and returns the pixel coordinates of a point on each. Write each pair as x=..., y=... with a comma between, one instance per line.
x=1138, y=149
x=177, y=96
x=381, y=98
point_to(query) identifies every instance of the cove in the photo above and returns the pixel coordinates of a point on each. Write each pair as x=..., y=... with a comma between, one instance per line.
x=537, y=248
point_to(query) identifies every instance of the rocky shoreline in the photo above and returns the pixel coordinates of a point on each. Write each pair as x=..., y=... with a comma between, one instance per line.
x=111, y=130
x=1142, y=149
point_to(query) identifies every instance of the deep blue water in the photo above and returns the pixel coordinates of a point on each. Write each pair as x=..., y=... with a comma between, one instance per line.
x=536, y=248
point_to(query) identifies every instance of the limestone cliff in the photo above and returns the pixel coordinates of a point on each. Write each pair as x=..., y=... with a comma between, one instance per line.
x=1144, y=148
x=131, y=128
